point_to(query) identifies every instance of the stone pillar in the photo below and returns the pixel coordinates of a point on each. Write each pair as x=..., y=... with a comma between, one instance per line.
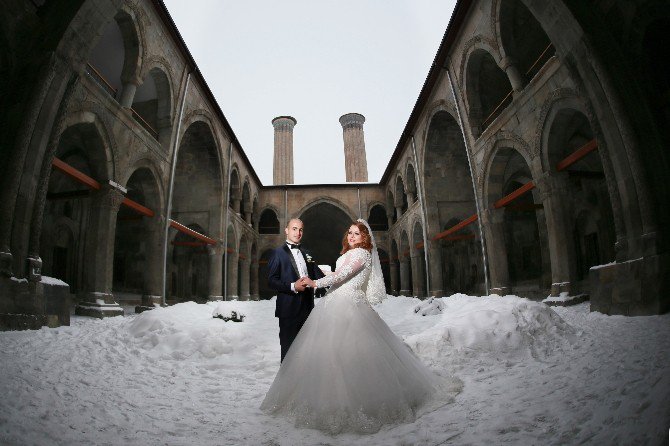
x=245, y=276
x=215, y=278
x=253, y=279
x=393, y=269
x=493, y=223
x=236, y=204
x=153, y=268
x=418, y=276
x=233, y=260
x=98, y=300
x=411, y=197
x=398, y=211
x=283, y=156
x=404, y=277
x=389, y=216
x=355, y=162
x=247, y=213
x=553, y=187
x=128, y=93
x=515, y=77
x=435, y=265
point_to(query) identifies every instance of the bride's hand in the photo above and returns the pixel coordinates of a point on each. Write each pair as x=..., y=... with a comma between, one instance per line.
x=309, y=282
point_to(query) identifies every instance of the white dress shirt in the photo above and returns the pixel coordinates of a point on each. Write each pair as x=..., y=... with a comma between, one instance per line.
x=299, y=261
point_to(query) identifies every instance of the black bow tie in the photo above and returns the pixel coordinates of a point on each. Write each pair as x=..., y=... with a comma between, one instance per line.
x=294, y=246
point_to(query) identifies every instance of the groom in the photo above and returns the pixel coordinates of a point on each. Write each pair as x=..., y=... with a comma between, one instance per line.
x=287, y=266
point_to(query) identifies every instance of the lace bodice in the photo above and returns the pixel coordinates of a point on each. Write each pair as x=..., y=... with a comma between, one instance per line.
x=351, y=273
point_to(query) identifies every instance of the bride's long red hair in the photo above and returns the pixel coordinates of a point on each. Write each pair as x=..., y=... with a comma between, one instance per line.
x=365, y=244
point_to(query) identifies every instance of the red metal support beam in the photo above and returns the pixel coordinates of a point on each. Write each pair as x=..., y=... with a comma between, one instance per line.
x=75, y=174
x=191, y=232
x=514, y=195
x=138, y=207
x=577, y=155
x=461, y=225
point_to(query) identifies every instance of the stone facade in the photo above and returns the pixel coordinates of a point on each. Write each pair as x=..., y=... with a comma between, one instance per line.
x=564, y=102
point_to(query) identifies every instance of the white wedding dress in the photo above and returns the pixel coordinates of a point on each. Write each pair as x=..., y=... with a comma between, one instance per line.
x=346, y=369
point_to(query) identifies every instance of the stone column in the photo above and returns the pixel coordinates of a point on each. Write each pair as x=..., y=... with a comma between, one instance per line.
x=215, y=278
x=404, y=277
x=553, y=188
x=515, y=77
x=245, y=276
x=393, y=269
x=98, y=300
x=389, y=216
x=253, y=279
x=418, y=276
x=247, y=213
x=233, y=267
x=492, y=220
x=355, y=162
x=283, y=156
x=398, y=211
x=128, y=93
x=153, y=268
x=236, y=204
x=435, y=265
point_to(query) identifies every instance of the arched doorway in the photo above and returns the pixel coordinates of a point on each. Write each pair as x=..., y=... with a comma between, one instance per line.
x=325, y=225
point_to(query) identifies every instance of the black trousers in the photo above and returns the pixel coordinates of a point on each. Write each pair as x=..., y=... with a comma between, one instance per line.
x=289, y=328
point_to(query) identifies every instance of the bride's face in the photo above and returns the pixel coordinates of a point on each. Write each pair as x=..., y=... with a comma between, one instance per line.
x=354, y=236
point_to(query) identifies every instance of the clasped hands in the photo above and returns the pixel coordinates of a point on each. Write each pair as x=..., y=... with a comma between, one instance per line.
x=304, y=282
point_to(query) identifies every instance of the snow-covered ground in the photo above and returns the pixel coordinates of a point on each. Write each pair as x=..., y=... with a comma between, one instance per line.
x=177, y=376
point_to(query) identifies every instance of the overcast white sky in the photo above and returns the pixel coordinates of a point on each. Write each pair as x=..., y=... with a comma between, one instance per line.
x=314, y=60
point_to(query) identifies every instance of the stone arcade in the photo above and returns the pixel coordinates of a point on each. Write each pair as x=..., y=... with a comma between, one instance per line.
x=534, y=162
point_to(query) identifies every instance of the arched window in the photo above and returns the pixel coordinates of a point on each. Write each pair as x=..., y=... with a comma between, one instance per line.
x=377, y=218
x=269, y=223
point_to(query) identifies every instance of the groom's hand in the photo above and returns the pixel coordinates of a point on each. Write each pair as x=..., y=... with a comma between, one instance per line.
x=300, y=285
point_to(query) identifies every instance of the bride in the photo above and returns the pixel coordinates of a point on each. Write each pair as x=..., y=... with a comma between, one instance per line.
x=346, y=369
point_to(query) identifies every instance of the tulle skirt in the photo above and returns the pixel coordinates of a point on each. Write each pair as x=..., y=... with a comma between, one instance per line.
x=347, y=371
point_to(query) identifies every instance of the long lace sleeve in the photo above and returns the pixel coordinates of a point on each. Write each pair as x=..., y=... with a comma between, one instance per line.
x=355, y=262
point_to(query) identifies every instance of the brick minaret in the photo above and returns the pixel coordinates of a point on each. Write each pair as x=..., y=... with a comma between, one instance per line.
x=283, y=162
x=355, y=163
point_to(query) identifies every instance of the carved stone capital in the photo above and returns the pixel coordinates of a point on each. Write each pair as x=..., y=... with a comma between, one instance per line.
x=351, y=120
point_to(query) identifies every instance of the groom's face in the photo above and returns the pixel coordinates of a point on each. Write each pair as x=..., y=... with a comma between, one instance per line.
x=294, y=231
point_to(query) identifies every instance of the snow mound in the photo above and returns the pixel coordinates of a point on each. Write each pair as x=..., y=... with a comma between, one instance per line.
x=507, y=325
x=187, y=329
x=431, y=306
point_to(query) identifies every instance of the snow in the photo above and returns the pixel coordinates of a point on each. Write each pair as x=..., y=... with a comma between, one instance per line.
x=532, y=374
x=53, y=281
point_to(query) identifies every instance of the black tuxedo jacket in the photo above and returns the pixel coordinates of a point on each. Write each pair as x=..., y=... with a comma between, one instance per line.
x=282, y=271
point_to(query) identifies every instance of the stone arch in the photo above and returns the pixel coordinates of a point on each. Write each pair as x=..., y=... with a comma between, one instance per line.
x=487, y=90
x=137, y=247
x=268, y=222
x=377, y=217
x=235, y=191
x=332, y=201
x=517, y=233
x=478, y=42
x=579, y=191
x=325, y=222
x=400, y=198
x=152, y=102
x=245, y=205
x=390, y=205
x=197, y=183
x=98, y=135
x=156, y=172
x=188, y=266
x=410, y=185
x=522, y=41
x=117, y=57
